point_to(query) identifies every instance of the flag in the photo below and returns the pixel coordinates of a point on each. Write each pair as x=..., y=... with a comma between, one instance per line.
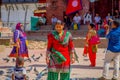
x=73, y=6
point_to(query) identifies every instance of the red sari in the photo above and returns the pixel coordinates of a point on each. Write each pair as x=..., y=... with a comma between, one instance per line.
x=89, y=49
x=65, y=50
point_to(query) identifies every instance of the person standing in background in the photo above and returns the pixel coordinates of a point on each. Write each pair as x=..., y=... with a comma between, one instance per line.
x=91, y=46
x=87, y=17
x=76, y=20
x=116, y=14
x=53, y=21
x=67, y=22
x=98, y=21
x=108, y=17
x=20, y=43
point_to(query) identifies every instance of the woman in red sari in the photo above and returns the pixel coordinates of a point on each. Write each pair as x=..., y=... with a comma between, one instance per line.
x=89, y=48
x=60, y=53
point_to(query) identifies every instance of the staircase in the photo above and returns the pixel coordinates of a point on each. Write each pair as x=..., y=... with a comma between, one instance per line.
x=78, y=36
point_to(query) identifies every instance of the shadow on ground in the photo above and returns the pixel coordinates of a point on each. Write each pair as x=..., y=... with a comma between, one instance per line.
x=84, y=79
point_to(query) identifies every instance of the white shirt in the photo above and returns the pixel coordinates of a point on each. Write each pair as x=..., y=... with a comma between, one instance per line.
x=97, y=19
x=76, y=19
x=54, y=20
x=19, y=73
x=87, y=16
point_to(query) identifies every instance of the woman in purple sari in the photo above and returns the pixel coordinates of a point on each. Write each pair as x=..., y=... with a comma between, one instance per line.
x=20, y=47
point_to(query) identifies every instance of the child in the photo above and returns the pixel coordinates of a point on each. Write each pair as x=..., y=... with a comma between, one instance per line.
x=19, y=72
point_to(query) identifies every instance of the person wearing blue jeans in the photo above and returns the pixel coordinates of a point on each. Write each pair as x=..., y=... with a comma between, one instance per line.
x=76, y=20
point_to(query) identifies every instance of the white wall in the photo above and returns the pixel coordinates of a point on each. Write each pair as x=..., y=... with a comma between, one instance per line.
x=17, y=15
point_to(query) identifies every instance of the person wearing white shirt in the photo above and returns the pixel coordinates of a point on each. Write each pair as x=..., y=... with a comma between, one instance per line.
x=87, y=17
x=19, y=72
x=97, y=19
x=76, y=20
x=109, y=17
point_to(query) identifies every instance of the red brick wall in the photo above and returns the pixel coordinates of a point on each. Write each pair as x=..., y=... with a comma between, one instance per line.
x=85, y=4
x=56, y=10
x=60, y=8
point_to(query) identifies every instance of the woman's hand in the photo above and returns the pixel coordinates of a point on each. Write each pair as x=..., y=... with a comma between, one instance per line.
x=85, y=55
x=47, y=60
x=72, y=60
x=111, y=20
x=72, y=57
x=86, y=44
x=18, y=45
x=47, y=57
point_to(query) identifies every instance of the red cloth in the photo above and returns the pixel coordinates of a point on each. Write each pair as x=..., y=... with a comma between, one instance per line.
x=85, y=50
x=73, y=6
x=42, y=1
x=97, y=27
x=52, y=42
x=91, y=54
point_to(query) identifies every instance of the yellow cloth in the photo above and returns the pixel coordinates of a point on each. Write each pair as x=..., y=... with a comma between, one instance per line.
x=75, y=26
x=26, y=42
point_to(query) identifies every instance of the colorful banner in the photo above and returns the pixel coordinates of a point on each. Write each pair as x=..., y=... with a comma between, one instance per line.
x=73, y=6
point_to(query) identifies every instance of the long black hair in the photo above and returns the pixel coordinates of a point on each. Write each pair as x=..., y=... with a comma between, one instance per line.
x=92, y=25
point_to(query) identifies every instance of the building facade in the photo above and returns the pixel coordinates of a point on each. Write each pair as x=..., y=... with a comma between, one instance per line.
x=58, y=8
x=22, y=12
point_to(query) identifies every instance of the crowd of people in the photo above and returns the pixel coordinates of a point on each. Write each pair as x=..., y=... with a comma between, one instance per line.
x=61, y=53
x=77, y=20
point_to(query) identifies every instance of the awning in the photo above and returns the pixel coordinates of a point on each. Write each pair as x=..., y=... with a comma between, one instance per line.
x=40, y=11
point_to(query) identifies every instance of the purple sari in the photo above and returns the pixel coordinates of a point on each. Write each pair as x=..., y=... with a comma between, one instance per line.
x=19, y=36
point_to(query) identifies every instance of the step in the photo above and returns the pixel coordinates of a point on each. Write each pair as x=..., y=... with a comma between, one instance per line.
x=49, y=27
x=78, y=37
x=42, y=34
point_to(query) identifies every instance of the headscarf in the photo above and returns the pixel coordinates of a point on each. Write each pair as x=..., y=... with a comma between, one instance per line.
x=18, y=26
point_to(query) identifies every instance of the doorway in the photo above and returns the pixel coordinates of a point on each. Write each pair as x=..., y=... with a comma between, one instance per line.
x=103, y=7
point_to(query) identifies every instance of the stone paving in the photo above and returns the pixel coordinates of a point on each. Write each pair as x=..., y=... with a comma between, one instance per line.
x=79, y=71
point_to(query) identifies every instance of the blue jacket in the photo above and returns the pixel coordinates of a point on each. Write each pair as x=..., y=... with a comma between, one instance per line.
x=114, y=40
